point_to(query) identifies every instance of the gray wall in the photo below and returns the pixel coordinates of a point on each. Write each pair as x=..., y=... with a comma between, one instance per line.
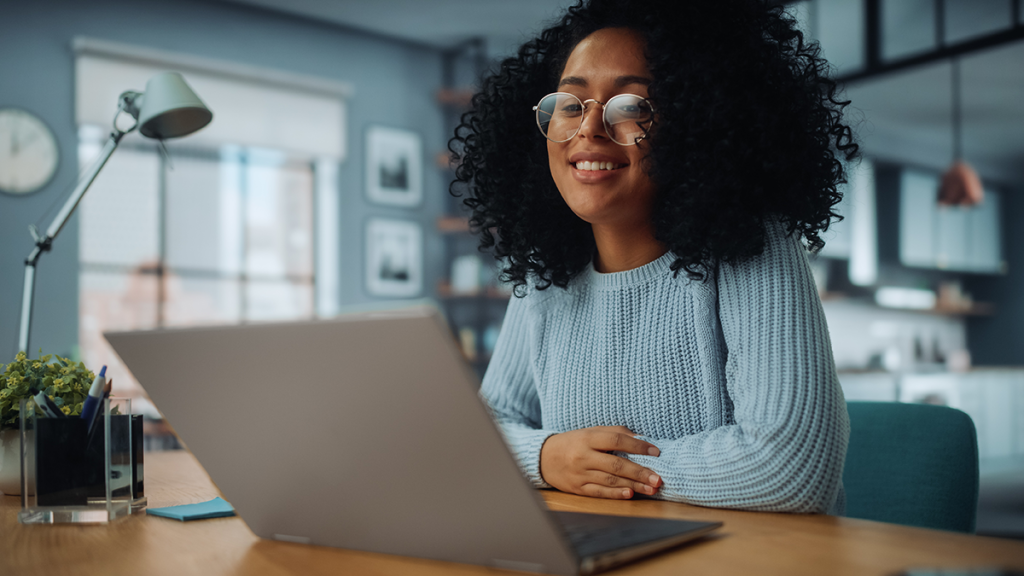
x=394, y=85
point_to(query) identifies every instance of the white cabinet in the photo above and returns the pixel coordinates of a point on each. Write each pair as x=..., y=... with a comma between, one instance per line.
x=947, y=237
x=869, y=386
x=993, y=398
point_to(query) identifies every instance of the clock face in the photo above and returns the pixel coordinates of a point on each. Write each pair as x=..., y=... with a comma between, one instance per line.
x=28, y=152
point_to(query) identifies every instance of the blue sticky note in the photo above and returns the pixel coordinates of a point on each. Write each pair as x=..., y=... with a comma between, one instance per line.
x=216, y=508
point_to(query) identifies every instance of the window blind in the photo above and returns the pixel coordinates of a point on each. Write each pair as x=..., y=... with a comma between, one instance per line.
x=252, y=106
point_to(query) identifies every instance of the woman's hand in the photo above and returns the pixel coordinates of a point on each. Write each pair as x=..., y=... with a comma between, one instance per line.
x=579, y=461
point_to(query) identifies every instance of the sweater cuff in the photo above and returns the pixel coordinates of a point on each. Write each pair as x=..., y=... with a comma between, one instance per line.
x=527, y=445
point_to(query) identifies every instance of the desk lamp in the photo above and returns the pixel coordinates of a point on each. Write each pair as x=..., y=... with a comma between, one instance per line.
x=167, y=109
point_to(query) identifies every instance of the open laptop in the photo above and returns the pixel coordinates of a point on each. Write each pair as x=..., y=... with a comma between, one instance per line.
x=366, y=432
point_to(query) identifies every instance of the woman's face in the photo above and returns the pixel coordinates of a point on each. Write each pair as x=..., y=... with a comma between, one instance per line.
x=606, y=63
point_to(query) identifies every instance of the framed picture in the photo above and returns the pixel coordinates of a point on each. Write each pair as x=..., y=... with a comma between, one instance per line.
x=394, y=167
x=394, y=258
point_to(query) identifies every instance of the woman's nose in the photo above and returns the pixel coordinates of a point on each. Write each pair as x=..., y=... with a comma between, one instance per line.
x=593, y=123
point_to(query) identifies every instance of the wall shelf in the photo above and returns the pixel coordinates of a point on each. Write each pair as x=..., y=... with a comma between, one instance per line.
x=453, y=225
x=444, y=290
x=942, y=309
x=457, y=97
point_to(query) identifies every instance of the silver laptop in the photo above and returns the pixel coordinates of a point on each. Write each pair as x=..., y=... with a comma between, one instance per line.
x=366, y=432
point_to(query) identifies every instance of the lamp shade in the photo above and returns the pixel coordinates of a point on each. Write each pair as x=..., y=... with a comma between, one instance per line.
x=960, y=186
x=170, y=108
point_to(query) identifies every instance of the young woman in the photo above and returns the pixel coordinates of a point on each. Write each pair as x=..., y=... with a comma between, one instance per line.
x=649, y=172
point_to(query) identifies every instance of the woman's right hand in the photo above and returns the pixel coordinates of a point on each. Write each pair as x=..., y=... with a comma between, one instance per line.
x=580, y=462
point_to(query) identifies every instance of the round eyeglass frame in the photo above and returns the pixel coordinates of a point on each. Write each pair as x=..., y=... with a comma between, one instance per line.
x=604, y=117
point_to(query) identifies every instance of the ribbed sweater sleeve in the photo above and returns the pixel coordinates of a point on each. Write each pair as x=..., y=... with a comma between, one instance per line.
x=510, y=392
x=786, y=449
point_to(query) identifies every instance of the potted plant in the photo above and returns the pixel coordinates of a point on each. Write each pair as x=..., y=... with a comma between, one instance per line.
x=64, y=381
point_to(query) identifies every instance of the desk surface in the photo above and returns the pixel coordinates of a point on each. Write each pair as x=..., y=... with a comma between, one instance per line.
x=749, y=543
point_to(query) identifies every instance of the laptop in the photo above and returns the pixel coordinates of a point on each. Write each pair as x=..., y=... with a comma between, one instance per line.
x=366, y=432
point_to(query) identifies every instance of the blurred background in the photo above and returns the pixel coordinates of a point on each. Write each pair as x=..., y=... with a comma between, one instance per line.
x=322, y=184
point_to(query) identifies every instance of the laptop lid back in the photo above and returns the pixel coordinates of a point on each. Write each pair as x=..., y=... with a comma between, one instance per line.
x=363, y=432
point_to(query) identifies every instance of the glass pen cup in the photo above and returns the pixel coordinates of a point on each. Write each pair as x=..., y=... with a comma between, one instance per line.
x=72, y=472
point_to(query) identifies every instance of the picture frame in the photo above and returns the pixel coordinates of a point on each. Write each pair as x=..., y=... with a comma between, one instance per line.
x=394, y=167
x=394, y=258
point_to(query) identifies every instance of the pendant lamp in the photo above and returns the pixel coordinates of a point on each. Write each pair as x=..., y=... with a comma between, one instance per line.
x=960, y=183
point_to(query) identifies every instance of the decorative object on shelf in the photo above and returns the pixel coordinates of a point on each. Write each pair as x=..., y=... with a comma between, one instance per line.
x=394, y=258
x=960, y=183
x=953, y=298
x=167, y=109
x=905, y=298
x=394, y=167
x=490, y=338
x=958, y=360
x=64, y=381
x=927, y=301
x=29, y=154
x=466, y=272
x=467, y=340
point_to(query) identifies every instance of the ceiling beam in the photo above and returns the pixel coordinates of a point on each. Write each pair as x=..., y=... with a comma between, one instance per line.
x=873, y=42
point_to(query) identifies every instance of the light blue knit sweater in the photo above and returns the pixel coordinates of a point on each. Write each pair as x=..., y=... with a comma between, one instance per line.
x=732, y=379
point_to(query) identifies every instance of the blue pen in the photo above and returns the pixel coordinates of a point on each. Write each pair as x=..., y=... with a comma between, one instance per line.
x=92, y=401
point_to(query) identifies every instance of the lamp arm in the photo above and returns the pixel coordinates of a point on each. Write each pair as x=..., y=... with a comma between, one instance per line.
x=64, y=215
x=44, y=243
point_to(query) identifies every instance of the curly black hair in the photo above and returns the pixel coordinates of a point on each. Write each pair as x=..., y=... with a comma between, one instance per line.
x=749, y=128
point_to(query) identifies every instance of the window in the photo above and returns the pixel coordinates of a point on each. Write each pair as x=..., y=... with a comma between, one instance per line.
x=196, y=236
x=235, y=223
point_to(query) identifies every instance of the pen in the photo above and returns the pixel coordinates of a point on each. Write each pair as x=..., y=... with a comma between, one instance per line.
x=48, y=406
x=91, y=428
x=92, y=401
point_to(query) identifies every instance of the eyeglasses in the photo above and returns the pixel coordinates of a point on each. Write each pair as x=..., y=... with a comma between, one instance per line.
x=627, y=117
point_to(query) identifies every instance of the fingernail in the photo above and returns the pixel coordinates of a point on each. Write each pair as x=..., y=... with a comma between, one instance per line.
x=648, y=489
x=625, y=493
x=654, y=480
x=653, y=451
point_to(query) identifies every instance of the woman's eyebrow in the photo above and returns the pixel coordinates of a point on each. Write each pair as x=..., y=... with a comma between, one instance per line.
x=619, y=82
x=626, y=80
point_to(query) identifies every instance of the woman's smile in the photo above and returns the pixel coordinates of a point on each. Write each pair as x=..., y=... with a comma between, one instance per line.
x=591, y=167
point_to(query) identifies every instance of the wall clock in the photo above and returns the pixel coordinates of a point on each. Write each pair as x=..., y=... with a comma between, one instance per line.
x=28, y=152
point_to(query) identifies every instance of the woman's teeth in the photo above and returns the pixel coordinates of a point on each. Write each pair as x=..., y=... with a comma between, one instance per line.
x=596, y=166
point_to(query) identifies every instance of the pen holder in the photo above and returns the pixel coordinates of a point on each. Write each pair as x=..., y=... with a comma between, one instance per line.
x=74, y=473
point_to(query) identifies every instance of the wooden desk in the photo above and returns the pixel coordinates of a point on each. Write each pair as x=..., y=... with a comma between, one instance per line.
x=749, y=543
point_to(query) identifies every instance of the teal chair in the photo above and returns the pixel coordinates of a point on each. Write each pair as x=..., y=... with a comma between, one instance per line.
x=912, y=464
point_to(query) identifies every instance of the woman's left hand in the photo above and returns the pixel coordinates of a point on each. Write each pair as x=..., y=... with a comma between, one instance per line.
x=580, y=462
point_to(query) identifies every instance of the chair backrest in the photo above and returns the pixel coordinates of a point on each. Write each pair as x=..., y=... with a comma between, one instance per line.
x=912, y=464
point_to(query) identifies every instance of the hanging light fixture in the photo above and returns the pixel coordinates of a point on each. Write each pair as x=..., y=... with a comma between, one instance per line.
x=960, y=183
